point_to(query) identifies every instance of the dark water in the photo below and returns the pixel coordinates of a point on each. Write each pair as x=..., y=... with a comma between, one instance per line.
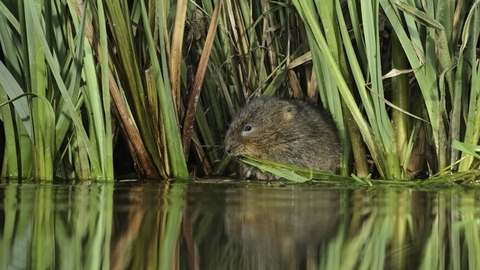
x=237, y=226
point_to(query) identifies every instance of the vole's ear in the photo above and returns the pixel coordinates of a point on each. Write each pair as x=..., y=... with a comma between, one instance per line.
x=289, y=111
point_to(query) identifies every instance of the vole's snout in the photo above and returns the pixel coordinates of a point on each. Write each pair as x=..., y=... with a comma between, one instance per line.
x=227, y=147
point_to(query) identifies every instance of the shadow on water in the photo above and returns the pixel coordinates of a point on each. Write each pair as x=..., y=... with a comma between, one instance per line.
x=233, y=225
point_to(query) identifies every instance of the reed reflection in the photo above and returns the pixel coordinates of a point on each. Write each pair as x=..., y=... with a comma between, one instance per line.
x=253, y=226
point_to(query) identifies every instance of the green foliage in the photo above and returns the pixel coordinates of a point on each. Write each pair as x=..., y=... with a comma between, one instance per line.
x=65, y=64
x=429, y=45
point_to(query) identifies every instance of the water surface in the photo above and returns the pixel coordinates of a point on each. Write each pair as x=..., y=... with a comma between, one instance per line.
x=231, y=225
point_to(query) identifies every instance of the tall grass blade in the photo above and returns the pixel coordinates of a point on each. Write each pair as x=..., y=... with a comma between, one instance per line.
x=197, y=84
x=145, y=147
x=179, y=167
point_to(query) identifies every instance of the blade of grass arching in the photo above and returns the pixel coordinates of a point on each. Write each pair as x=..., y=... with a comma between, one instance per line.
x=286, y=174
x=466, y=148
x=291, y=172
x=169, y=117
x=18, y=129
x=26, y=142
x=197, y=84
x=11, y=161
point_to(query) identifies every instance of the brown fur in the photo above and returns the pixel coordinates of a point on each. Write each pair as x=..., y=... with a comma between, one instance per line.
x=291, y=132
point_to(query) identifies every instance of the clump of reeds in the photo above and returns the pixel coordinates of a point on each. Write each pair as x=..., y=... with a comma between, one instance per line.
x=400, y=79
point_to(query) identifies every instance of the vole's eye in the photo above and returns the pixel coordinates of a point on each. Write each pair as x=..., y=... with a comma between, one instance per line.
x=247, y=130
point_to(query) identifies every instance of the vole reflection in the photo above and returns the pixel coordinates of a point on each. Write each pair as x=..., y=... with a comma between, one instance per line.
x=283, y=227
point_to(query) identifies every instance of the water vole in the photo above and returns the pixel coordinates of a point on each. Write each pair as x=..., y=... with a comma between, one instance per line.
x=291, y=132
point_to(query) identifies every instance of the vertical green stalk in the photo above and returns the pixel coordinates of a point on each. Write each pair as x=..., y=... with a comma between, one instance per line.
x=36, y=83
x=327, y=87
x=107, y=165
x=425, y=73
x=356, y=138
x=118, y=16
x=174, y=145
x=177, y=43
x=470, y=34
x=401, y=99
x=382, y=127
x=93, y=104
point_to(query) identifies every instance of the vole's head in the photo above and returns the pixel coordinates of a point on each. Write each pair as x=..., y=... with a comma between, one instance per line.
x=261, y=125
